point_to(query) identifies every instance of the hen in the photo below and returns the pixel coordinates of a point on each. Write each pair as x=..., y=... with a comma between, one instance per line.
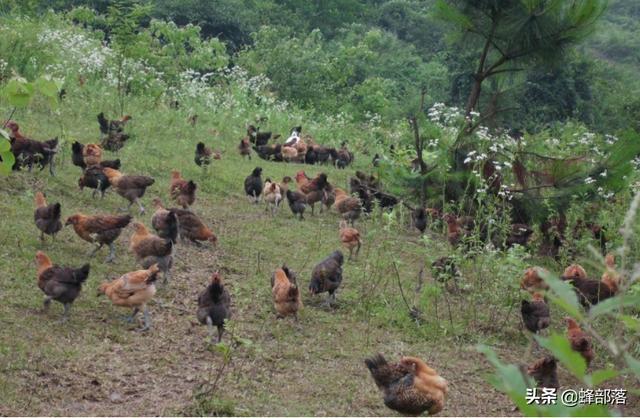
x=580, y=340
x=150, y=249
x=297, y=203
x=589, y=291
x=327, y=276
x=183, y=192
x=47, y=217
x=203, y=155
x=532, y=282
x=419, y=217
x=272, y=195
x=409, y=386
x=214, y=305
x=92, y=155
x=245, y=148
x=286, y=294
x=350, y=238
x=253, y=185
x=100, y=229
x=165, y=222
x=131, y=188
x=545, y=372
x=133, y=290
x=192, y=228
x=95, y=179
x=535, y=314
x=61, y=284
x=349, y=207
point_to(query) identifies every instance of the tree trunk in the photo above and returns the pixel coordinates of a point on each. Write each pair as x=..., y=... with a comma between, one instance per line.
x=474, y=96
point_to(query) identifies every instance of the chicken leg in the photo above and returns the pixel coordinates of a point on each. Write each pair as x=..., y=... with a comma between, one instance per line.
x=95, y=250
x=147, y=320
x=65, y=314
x=112, y=253
x=46, y=303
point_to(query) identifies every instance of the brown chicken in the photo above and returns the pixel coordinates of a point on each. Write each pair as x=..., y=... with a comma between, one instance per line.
x=580, y=340
x=133, y=290
x=61, y=284
x=610, y=277
x=183, y=192
x=99, y=229
x=350, y=238
x=286, y=294
x=131, y=188
x=92, y=154
x=150, y=249
x=457, y=228
x=192, y=228
x=589, y=291
x=545, y=372
x=214, y=305
x=327, y=276
x=272, y=195
x=535, y=313
x=47, y=217
x=165, y=222
x=532, y=282
x=410, y=386
x=349, y=207
x=245, y=148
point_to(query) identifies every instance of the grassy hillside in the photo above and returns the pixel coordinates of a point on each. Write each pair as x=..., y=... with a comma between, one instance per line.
x=96, y=364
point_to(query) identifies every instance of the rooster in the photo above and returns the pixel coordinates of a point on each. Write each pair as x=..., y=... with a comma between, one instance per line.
x=214, y=305
x=62, y=284
x=410, y=386
x=47, y=217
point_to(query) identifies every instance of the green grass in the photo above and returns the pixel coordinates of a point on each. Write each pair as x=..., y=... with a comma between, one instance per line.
x=96, y=365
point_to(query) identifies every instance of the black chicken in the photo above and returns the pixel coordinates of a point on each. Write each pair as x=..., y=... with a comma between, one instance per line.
x=327, y=276
x=253, y=185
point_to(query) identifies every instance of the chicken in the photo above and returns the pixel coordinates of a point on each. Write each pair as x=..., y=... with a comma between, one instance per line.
x=345, y=157
x=349, y=207
x=317, y=184
x=253, y=185
x=28, y=152
x=419, y=216
x=272, y=195
x=203, y=155
x=328, y=197
x=267, y=151
x=545, y=372
x=257, y=137
x=580, y=340
x=286, y=294
x=327, y=276
x=165, y=222
x=131, y=188
x=532, y=282
x=520, y=234
x=284, y=184
x=214, y=305
x=100, y=229
x=94, y=178
x=133, y=290
x=192, y=120
x=289, y=154
x=350, y=238
x=457, y=228
x=77, y=157
x=302, y=179
x=47, y=217
x=245, y=148
x=192, y=228
x=112, y=126
x=92, y=154
x=589, y=291
x=183, y=192
x=410, y=386
x=610, y=277
x=150, y=249
x=61, y=284
x=114, y=141
x=535, y=314
x=297, y=203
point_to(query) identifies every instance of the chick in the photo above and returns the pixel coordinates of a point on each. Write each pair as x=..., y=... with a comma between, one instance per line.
x=327, y=276
x=214, y=305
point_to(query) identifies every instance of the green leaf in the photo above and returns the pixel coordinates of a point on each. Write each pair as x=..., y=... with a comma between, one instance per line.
x=4, y=134
x=19, y=92
x=5, y=145
x=612, y=304
x=561, y=348
x=633, y=364
x=600, y=376
x=592, y=410
x=631, y=322
x=7, y=163
x=47, y=86
x=563, y=295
